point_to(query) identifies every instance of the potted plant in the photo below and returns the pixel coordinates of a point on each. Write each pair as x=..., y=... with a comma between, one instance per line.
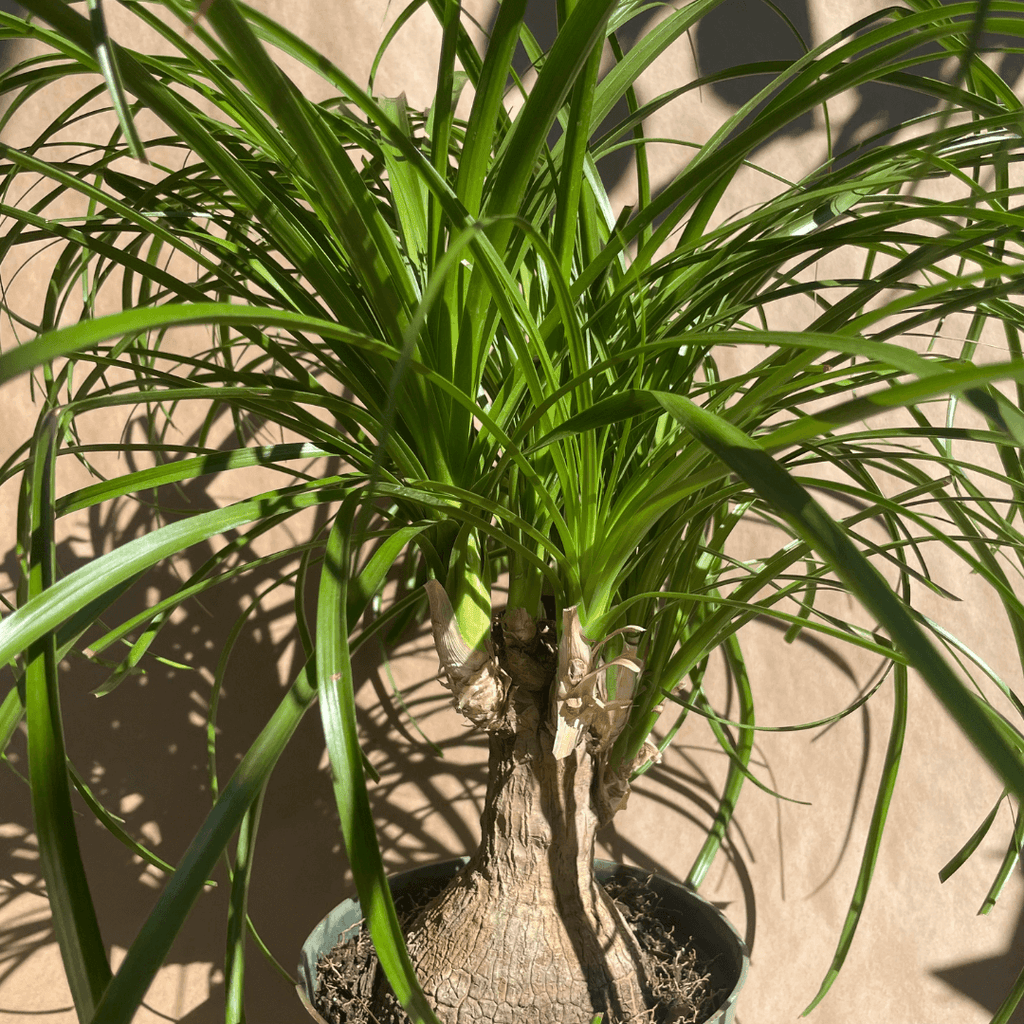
x=504, y=377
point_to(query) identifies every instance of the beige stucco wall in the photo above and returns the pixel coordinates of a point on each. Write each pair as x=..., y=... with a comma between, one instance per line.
x=922, y=955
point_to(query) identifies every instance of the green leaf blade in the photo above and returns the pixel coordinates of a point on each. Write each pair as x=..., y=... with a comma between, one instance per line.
x=74, y=917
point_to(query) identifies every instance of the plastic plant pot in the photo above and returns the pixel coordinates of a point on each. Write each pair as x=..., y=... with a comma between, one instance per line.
x=691, y=915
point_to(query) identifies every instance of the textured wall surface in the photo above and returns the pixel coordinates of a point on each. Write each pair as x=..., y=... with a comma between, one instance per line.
x=922, y=956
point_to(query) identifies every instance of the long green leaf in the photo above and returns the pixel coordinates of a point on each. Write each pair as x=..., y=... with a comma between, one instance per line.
x=113, y=825
x=234, y=959
x=745, y=458
x=972, y=844
x=74, y=918
x=68, y=340
x=886, y=785
x=45, y=612
x=337, y=712
x=112, y=76
x=11, y=713
x=735, y=778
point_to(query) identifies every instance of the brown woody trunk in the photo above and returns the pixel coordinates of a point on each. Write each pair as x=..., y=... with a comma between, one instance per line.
x=525, y=934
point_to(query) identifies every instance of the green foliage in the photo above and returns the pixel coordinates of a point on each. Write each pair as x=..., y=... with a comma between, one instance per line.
x=510, y=376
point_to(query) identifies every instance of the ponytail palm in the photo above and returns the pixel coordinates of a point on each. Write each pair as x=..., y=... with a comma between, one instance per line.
x=507, y=378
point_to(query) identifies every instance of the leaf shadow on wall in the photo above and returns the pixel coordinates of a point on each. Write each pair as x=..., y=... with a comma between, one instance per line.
x=987, y=981
x=8, y=47
x=142, y=749
x=740, y=32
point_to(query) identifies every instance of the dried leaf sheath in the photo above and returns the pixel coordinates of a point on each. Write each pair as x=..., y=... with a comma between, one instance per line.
x=478, y=689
